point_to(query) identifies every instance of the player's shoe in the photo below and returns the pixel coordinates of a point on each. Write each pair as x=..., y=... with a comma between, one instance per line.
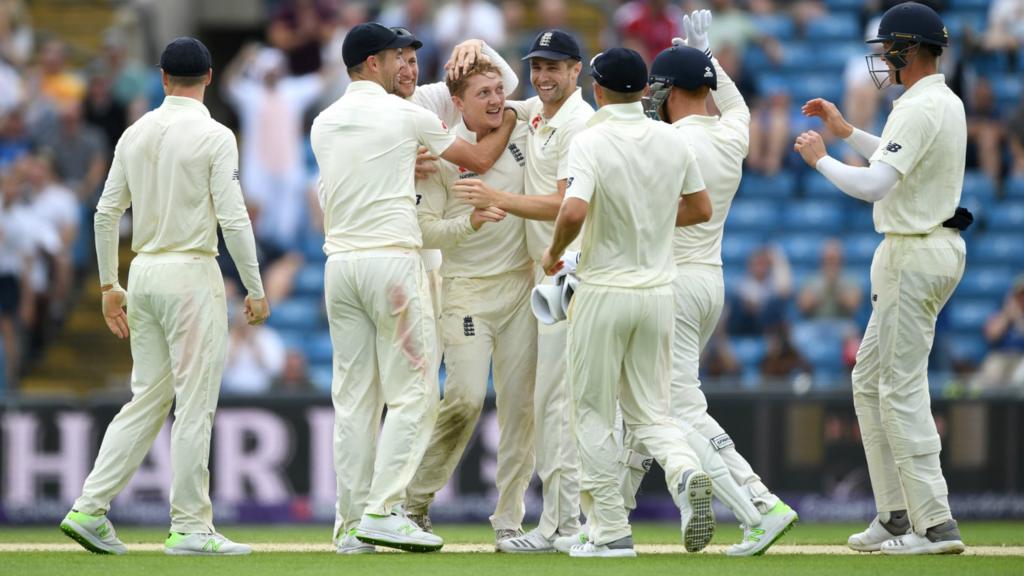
x=564, y=544
x=533, y=542
x=505, y=534
x=396, y=531
x=203, y=544
x=621, y=548
x=871, y=539
x=349, y=544
x=757, y=539
x=423, y=521
x=695, y=513
x=942, y=539
x=95, y=533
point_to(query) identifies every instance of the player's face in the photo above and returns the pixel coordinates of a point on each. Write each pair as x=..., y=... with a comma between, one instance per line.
x=554, y=80
x=391, y=63
x=483, y=101
x=409, y=77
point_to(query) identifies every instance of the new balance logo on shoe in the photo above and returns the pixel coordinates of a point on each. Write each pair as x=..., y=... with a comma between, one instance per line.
x=212, y=545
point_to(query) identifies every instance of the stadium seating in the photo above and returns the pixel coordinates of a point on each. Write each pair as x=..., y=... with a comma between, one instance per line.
x=298, y=313
x=753, y=215
x=817, y=215
x=737, y=247
x=979, y=281
x=968, y=315
x=309, y=281
x=779, y=185
x=803, y=248
x=1008, y=217
x=1014, y=187
x=995, y=248
x=833, y=27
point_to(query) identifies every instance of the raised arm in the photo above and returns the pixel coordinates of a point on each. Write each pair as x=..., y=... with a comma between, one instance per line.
x=480, y=157
x=865, y=144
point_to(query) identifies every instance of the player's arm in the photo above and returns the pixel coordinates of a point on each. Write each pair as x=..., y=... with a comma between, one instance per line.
x=727, y=97
x=467, y=53
x=480, y=157
x=115, y=199
x=481, y=195
x=869, y=184
x=865, y=144
x=573, y=212
x=441, y=232
x=232, y=216
x=694, y=201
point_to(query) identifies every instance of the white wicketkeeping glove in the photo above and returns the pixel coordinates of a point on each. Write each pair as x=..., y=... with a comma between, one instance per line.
x=696, y=25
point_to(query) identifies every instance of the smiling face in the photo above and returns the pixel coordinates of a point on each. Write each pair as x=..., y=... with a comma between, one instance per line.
x=481, y=101
x=409, y=76
x=388, y=66
x=554, y=80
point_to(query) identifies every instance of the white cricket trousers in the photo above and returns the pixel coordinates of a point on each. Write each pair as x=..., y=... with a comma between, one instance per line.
x=178, y=324
x=485, y=320
x=620, y=352
x=912, y=277
x=383, y=333
x=558, y=460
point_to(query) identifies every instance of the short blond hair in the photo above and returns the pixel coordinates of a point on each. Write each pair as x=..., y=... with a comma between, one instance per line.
x=458, y=87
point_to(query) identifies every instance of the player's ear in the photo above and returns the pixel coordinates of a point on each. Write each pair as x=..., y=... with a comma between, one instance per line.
x=209, y=77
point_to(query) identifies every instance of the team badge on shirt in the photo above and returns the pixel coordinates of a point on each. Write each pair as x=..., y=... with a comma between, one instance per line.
x=893, y=147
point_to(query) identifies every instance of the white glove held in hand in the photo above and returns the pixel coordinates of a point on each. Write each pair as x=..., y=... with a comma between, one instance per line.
x=696, y=25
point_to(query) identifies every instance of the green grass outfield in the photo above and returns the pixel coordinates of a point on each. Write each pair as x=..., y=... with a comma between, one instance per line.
x=154, y=563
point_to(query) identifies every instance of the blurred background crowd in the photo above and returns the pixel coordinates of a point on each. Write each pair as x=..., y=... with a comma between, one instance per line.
x=75, y=73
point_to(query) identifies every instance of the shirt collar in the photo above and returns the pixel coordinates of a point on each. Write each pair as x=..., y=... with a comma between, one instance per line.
x=365, y=87
x=566, y=111
x=465, y=133
x=923, y=84
x=695, y=120
x=629, y=112
x=185, y=102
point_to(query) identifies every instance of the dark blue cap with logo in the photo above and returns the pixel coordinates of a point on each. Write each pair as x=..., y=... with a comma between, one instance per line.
x=619, y=69
x=554, y=45
x=186, y=56
x=416, y=43
x=365, y=40
x=684, y=67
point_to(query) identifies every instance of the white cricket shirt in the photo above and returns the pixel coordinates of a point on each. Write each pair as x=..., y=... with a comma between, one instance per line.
x=631, y=170
x=547, y=159
x=365, y=145
x=720, y=145
x=925, y=140
x=497, y=247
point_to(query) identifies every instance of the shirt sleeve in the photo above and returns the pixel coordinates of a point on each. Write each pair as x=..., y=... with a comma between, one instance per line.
x=231, y=213
x=905, y=138
x=693, y=180
x=735, y=112
x=509, y=79
x=431, y=132
x=116, y=198
x=580, y=179
x=439, y=232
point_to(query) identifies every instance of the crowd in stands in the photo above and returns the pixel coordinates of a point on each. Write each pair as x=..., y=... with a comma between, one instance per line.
x=796, y=251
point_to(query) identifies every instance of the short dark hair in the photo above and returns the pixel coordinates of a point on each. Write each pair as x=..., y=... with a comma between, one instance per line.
x=933, y=49
x=187, y=81
x=357, y=69
x=458, y=87
x=701, y=91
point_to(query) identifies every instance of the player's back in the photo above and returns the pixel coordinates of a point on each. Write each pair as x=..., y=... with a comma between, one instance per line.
x=639, y=167
x=167, y=158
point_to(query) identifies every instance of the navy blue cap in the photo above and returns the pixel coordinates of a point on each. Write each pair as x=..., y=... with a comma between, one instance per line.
x=684, y=67
x=186, y=56
x=620, y=69
x=554, y=45
x=365, y=40
x=416, y=43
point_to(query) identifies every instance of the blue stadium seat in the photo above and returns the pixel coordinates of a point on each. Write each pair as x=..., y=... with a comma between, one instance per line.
x=803, y=248
x=960, y=22
x=779, y=185
x=753, y=215
x=313, y=247
x=749, y=351
x=320, y=375
x=977, y=183
x=737, y=247
x=993, y=248
x=989, y=64
x=1014, y=187
x=967, y=347
x=969, y=5
x=309, y=281
x=813, y=216
x=297, y=314
x=844, y=5
x=817, y=186
x=820, y=342
x=967, y=316
x=860, y=248
x=317, y=347
x=833, y=27
x=1007, y=90
x=1008, y=216
x=803, y=87
x=979, y=281
x=801, y=57
x=779, y=26
x=860, y=219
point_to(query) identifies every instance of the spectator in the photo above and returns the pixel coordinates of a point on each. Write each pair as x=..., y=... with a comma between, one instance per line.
x=294, y=377
x=829, y=294
x=718, y=359
x=14, y=138
x=56, y=208
x=130, y=79
x=461, y=19
x=17, y=251
x=80, y=154
x=1004, y=331
x=769, y=116
x=12, y=89
x=270, y=108
x=255, y=355
x=781, y=358
x=101, y=109
x=732, y=27
x=762, y=294
x=300, y=29
x=415, y=16
x=648, y=26
x=56, y=83
x=861, y=99
x=984, y=131
x=1005, y=31
x=16, y=35
x=1015, y=127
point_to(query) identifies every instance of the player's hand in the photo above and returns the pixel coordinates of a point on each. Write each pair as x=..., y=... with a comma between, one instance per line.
x=426, y=163
x=696, y=24
x=811, y=147
x=551, y=263
x=829, y=115
x=463, y=56
x=256, y=310
x=476, y=193
x=480, y=216
x=114, y=301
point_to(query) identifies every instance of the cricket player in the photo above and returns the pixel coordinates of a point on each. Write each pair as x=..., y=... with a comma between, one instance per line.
x=178, y=170
x=378, y=302
x=681, y=78
x=554, y=117
x=488, y=276
x=630, y=179
x=914, y=180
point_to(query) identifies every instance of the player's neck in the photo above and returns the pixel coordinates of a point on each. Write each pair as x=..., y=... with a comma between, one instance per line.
x=480, y=133
x=688, y=107
x=911, y=76
x=193, y=92
x=551, y=108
